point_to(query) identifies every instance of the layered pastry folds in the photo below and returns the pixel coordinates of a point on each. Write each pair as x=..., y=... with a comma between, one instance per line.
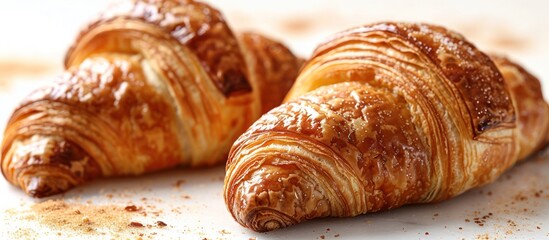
x=382, y=116
x=149, y=85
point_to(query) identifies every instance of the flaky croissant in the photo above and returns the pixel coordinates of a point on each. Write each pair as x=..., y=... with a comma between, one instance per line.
x=149, y=85
x=382, y=116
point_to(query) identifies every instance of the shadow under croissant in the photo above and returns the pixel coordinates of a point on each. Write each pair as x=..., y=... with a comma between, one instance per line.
x=182, y=181
x=66, y=186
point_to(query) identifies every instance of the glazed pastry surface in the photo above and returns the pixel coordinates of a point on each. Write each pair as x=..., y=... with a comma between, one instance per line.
x=148, y=86
x=382, y=116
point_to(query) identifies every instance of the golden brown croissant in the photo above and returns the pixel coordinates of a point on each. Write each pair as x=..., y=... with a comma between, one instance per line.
x=149, y=85
x=382, y=116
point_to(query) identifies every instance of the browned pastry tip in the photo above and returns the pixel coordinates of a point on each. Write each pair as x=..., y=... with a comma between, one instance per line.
x=149, y=85
x=53, y=167
x=382, y=116
x=532, y=110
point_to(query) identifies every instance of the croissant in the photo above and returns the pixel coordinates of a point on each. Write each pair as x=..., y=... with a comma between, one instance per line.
x=149, y=85
x=382, y=116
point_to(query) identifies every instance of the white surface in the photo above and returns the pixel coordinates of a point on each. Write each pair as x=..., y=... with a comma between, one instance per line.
x=203, y=214
x=38, y=32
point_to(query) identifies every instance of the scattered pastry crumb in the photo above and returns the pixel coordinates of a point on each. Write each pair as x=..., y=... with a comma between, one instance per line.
x=179, y=182
x=61, y=215
x=131, y=208
x=480, y=219
x=161, y=224
x=136, y=224
x=72, y=219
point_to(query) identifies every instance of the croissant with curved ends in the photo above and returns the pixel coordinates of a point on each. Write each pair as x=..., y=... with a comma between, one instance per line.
x=148, y=86
x=383, y=116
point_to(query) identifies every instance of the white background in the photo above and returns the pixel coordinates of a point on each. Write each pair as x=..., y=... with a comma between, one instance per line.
x=34, y=36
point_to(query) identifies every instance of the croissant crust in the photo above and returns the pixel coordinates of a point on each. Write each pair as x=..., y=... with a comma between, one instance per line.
x=382, y=116
x=149, y=85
